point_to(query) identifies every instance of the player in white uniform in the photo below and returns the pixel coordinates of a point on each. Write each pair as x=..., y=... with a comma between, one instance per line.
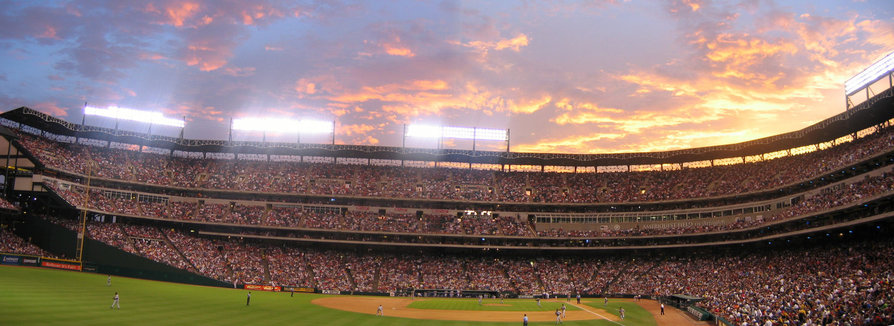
x=115, y=302
x=380, y=312
x=109, y=281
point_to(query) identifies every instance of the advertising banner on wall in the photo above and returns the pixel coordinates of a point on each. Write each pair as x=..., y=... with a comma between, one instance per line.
x=258, y=287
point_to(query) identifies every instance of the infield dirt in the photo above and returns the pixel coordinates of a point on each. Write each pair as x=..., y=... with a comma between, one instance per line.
x=398, y=307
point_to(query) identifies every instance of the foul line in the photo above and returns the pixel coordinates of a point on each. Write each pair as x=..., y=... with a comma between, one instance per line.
x=603, y=317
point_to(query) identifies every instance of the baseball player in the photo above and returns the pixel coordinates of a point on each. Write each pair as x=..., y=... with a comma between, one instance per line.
x=525, y=320
x=248, y=299
x=115, y=302
x=109, y=281
x=563, y=310
x=558, y=317
x=662, y=309
x=578, y=298
x=380, y=312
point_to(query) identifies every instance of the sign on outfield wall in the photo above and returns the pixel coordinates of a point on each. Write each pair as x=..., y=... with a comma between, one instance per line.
x=11, y=260
x=257, y=287
x=297, y=289
x=19, y=260
x=52, y=264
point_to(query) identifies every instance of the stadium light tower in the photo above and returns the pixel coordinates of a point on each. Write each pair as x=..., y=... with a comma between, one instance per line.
x=117, y=113
x=283, y=126
x=875, y=72
x=474, y=133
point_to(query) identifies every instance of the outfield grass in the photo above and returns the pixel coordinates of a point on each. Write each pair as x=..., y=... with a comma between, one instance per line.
x=35, y=296
x=634, y=314
x=472, y=304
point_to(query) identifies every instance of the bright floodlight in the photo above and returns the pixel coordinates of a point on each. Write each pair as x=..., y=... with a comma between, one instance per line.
x=283, y=125
x=155, y=118
x=428, y=131
x=870, y=75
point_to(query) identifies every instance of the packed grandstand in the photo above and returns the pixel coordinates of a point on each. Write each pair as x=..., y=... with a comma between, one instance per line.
x=791, y=235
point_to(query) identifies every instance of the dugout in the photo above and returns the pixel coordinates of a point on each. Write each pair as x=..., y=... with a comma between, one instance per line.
x=681, y=300
x=447, y=293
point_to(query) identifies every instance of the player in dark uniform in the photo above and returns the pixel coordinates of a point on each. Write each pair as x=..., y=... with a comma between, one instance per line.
x=248, y=298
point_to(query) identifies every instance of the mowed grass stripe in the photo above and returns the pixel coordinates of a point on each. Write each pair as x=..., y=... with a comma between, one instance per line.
x=34, y=296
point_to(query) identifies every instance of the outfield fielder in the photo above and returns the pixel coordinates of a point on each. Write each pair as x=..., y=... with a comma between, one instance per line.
x=109, y=281
x=248, y=299
x=115, y=302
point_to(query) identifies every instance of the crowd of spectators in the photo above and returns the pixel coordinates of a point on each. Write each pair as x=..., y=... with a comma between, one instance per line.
x=12, y=243
x=5, y=204
x=448, y=183
x=790, y=286
x=838, y=195
x=853, y=284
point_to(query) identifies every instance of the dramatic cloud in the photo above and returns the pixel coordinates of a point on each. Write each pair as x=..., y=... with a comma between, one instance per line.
x=588, y=77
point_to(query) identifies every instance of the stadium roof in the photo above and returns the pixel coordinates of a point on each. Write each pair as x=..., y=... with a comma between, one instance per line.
x=870, y=113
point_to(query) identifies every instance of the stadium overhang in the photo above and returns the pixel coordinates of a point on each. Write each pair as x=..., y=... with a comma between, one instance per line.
x=872, y=112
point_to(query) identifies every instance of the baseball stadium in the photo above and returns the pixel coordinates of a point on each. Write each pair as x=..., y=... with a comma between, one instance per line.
x=172, y=227
x=327, y=234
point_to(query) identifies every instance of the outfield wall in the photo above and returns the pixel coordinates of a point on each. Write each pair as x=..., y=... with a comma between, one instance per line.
x=106, y=259
x=102, y=258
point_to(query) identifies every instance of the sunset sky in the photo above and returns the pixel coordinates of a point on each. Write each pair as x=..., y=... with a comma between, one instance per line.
x=563, y=76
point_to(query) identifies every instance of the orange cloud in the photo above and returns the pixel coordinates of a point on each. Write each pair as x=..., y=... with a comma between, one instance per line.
x=395, y=92
x=239, y=72
x=49, y=32
x=151, y=56
x=399, y=51
x=529, y=106
x=356, y=129
x=514, y=44
x=178, y=13
x=207, y=58
x=694, y=4
x=258, y=12
x=51, y=108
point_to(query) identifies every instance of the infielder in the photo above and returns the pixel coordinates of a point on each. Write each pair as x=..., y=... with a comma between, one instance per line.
x=380, y=312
